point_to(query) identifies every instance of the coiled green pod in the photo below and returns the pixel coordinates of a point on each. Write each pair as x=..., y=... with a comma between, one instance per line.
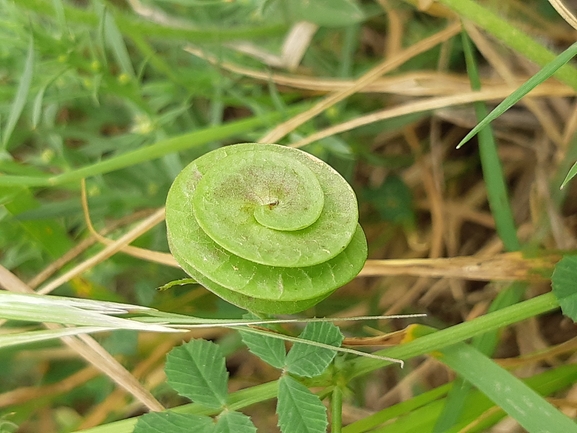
x=266, y=227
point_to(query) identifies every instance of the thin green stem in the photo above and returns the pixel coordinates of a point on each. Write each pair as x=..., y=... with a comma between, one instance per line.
x=439, y=339
x=337, y=409
x=492, y=169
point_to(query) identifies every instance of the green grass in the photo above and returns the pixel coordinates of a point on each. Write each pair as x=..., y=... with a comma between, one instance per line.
x=104, y=94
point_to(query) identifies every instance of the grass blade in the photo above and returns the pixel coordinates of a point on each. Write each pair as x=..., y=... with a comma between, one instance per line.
x=48, y=334
x=21, y=94
x=527, y=407
x=570, y=175
x=492, y=169
x=531, y=83
x=69, y=311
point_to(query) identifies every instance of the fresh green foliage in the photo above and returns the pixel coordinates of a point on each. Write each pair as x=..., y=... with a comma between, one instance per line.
x=21, y=95
x=234, y=227
x=197, y=371
x=270, y=350
x=309, y=361
x=421, y=412
x=104, y=91
x=298, y=409
x=497, y=194
x=533, y=412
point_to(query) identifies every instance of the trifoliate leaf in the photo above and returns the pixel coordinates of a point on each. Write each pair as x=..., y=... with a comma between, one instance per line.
x=197, y=371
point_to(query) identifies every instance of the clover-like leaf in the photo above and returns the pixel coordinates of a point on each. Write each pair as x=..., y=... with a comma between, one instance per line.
x=308, y=360
x=197, y=371
x=298, y=409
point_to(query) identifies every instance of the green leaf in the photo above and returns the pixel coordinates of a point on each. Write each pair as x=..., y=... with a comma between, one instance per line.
x=197, y=371
x=298, y=409
x=564, y=283
x=116, y=42
x=270, y=350
x=234, y=422
x=170, y=422
x=570, y=175
x=531, y=83
x=21, y=94
x=523, y=404
x=37, y=107
x=309, y=361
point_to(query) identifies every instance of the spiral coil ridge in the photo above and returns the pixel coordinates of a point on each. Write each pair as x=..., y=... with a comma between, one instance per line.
x=266, y=227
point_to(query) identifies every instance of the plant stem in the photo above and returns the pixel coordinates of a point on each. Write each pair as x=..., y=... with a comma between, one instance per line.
x=337, y=409
x=439, y=339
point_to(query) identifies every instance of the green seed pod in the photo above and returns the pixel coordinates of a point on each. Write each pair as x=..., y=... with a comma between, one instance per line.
x=266, y=227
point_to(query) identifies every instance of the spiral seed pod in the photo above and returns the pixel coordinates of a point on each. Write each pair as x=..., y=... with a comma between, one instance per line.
x=266, y=227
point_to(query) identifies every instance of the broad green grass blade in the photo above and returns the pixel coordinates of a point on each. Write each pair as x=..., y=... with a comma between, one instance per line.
x=7, y=340
x=420, y=413
x=197, y=371
x=527, y=407
x=533, y=82
x=21, y=94
x=572, y=173
x=370, y=422
x=69, y=311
